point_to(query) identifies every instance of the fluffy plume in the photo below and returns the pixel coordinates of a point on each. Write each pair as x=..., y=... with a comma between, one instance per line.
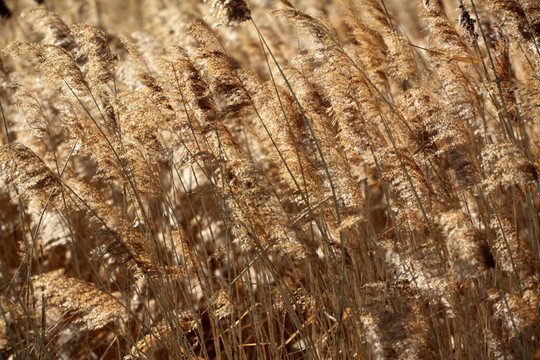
x=346, y=109
x=441, y=29
x=386, y=332
x=372, y=51
x=314, y=27
x=516, y=20
x=128, y=247
x=467, y=23
x=507, y=165
x=352, y=179
x=230, y=12
x=253, y=204
x=408, y=182
x=248, y=193
x=38, y=185
x=402, y=60
x=315, y=109
x=89, y=141
x=300, y=301
x=183, y=252
x=55, y=62
x=512, y=252
x=519, y=310
x=223, y=305
x=464, y=169
x=90, y=307
x=49, y=23
x=468, y=250
x=35, y=182
x=501, y=55
x=36, y=121
x=420, y=272
x=201, y=116
x=224, y=78
x=283, y=121
x=101, y=61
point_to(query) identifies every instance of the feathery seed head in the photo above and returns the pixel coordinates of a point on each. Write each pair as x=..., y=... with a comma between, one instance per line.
x=230, y=12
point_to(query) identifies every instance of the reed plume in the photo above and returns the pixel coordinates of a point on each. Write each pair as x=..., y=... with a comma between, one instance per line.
x=89, y=306
x=308, y=180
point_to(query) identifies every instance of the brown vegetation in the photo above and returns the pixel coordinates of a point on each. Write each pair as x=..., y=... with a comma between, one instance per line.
x=269, y=180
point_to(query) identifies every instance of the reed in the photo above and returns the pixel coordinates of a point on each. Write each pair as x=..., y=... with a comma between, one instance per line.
x=269, y=180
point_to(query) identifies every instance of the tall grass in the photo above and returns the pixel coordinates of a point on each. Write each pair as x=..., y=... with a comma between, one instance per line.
x=224, y=180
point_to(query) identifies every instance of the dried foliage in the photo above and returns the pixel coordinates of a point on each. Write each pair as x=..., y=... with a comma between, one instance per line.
x=100, y=65
x=322, y=179
x=231, y=12
x=55, y=62
x=468, y=250
x=87, y=305
x=50, y=24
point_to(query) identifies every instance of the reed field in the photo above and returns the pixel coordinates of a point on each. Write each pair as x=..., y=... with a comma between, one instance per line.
x=224, y=179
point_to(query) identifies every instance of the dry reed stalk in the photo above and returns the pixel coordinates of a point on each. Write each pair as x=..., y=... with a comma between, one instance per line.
x=38, y=185
x=163, y=335
x=203, y=175
x=248, y=195
x=512, y=253
x=347, y=189
x=283, y=122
